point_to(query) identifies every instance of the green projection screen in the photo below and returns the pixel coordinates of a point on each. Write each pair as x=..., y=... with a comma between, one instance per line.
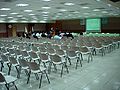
x=93, y=25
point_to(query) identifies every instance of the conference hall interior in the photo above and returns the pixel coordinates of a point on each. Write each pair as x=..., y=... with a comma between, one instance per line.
x=59, y=44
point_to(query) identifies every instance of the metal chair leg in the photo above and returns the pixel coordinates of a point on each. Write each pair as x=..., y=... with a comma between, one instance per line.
x=47, y=77
x=62, y=70
x=28, y=77
x=40, y=81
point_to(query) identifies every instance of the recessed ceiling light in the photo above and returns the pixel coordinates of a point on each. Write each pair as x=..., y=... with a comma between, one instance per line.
x=115, y=14
x=45, y=15
x=19, y=15
x=22, y=5
x=46, y=0
x=42, y=21
x=59, y=13
x=45, y=19
x=5, y=9
x=12, y=21
x=63, y=10
x=85, y=7
x=3, y=15
x=31, y=14
x=45, y=12
x=96, y=10
x=104, y=12
x=24, y=21
x=10, y=17
x=46, y=7
x=34, y=21
x=27, y=10
x=69, y=4
x=23, y=18
x=2, y=21
x=13, y=13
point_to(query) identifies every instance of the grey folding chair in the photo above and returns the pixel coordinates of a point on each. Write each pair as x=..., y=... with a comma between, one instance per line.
x=23, y=65
x=5, y=60
x=56, y=60
x=8, y=81
x=71, y=54
x=25, y=55
x=36, y=69
x=13, y=62
x=85, y=51
x=34, y=56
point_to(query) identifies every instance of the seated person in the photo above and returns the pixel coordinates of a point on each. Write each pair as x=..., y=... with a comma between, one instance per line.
x=57, y=37
x=43, y=35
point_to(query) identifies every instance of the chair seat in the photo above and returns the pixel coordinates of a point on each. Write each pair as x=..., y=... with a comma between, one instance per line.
x=15, y=64
x=10, y=79
x=38, y=71
x=25, y=67
x=7, y=62
x=85, y=53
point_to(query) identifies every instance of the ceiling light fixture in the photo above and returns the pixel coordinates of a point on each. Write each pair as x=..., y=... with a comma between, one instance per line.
x=31, y=14
x=2, y=21
x=85, y=7
x=45, y=12
x=69, y=4
x=10, y=17
x=63, y=10
x=22, y=5
x=46, y=7
x=42, y=21
x=104, y=12
x=27, y=10
x=46, y=0
x=3, y=15
x=5, y=9
x=19, y=15
x=96, y=10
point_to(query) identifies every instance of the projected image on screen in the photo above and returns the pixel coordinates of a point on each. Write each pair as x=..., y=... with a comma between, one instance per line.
x=93, y=25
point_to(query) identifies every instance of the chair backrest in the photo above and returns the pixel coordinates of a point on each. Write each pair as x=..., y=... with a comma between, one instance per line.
x=34, y=48
x=42, y=50
x=55, y=58
x=13, y=60
x=2, y=79
x=33, y=54
x=24, y=53
x=23, y=62
x=63, y=47
x=17, y=52
x=11, y=51
x=71, y=53
x=84, y=49
x=4, y=58
x=33, y=66
x=60, y=52
x=50, y=51
x=43, y=56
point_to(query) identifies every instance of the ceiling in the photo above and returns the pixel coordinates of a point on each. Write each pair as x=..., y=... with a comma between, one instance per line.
x=42, y=11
